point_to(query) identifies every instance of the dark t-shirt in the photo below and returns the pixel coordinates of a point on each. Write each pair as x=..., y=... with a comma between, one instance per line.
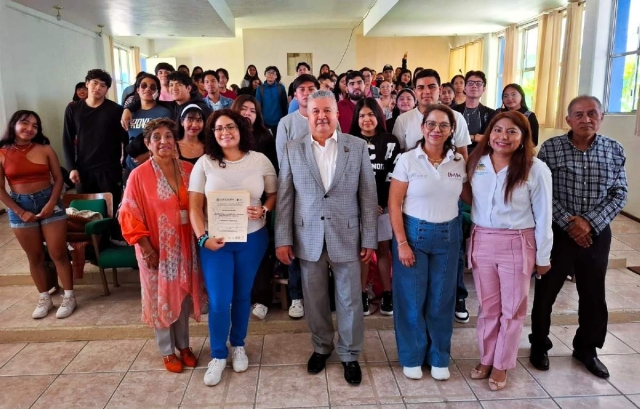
x=384, y=150
x=93, y=138
x=141, y=118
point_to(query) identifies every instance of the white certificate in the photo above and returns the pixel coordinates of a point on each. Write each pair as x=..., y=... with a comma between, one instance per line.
x=227, y=214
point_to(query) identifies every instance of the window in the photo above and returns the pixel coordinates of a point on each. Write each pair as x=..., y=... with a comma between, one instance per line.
x=528, y=62
x=294, y=58
x=624, y=55
x=122, y=75
x=499, y=84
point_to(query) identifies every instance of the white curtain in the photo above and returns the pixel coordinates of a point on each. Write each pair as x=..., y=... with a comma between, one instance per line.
x=473, y=56
x=509, y=73
x=547, y=68
x=570, y=74
x=457, y=62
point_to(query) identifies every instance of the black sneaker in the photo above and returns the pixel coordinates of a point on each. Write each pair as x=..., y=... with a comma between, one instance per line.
x=386, y=307
x=461, y=314
x=365, y=304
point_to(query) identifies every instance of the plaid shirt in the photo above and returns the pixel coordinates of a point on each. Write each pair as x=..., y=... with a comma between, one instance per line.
x=590, y=184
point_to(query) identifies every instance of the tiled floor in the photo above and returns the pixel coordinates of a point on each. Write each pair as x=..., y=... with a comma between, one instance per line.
x=129, y=373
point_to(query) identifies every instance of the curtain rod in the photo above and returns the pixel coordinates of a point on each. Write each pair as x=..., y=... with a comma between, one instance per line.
x=526, y=22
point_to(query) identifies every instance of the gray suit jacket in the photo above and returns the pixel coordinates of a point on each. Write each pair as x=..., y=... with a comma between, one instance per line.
x=345, y=217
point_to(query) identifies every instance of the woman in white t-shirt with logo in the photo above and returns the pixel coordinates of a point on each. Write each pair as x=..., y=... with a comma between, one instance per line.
x=426, y=184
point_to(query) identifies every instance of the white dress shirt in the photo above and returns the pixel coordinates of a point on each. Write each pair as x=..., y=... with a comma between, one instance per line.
x=433, y=193
x=408, y=129
x=326, y=158
x=530, y=206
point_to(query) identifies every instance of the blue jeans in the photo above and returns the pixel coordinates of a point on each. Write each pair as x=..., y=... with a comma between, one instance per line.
x=424, y=294
x=229, y=274
x=295, y=280
x=34, y=203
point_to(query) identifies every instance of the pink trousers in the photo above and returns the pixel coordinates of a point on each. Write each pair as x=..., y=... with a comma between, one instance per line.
x=502, y=261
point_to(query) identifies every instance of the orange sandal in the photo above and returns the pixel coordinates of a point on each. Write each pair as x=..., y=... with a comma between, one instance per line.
x=188, y=357
x=172, y=363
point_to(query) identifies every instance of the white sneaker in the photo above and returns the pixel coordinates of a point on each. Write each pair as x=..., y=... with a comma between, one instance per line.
x=440, y=374
x=259, y=310
x=44, y=306
x=412, y=372
x=67, y=306
x=239, y=359
x=214, y=371
x=297, y=309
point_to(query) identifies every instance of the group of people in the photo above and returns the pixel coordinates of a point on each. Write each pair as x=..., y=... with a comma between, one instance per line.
x=344, y=183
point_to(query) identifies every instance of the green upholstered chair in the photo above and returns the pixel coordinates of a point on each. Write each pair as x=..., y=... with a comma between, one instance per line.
x=105, y=254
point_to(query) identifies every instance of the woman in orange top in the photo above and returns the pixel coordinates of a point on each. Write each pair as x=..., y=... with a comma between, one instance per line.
x=154, y=217
x=36, y=213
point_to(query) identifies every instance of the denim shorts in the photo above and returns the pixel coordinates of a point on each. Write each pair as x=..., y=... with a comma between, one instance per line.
x=34, y=202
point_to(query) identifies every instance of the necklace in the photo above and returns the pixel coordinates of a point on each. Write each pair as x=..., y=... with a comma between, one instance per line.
x=15, y=145
x=176, y=174
x=435, y=162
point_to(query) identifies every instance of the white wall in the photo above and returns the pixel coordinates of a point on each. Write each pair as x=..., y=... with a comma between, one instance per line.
x=209, y=53
x=41, y=61
x=270, y=47
x=145, y=44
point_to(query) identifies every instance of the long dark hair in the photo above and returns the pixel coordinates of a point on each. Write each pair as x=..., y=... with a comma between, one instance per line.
x=183, y=115
x=322, y=66
x=518, y=88
x=248, y=76
x=448, y=144
x=396, y=111
x=9, y=136
x=521, y=160
x=407, y=71
x=336, y=89
x=373, y=105
x=79, y=85
x=211, y=146
x=259, y=131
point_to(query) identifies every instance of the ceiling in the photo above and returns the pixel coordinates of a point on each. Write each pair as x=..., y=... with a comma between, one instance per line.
x=220, y=18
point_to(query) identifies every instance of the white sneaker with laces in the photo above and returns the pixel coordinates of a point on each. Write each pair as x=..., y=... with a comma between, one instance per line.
x=44, y=306
x=214, y=371
x=297, y=309
x=239, y=359
x=440, y=374
x=260, y=310
x=67, y=306
x=412, y=372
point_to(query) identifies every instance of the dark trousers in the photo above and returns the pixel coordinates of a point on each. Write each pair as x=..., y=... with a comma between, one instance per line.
x=590, y=267
x=99, y=181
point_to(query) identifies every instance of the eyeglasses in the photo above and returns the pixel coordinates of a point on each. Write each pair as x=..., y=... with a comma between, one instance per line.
x=476, y=83
x=152, y=87
x=271, y=72
x=443, y=126
x=229, y=128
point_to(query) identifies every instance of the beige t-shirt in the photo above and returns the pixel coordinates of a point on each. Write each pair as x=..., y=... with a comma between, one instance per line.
x=253, y=173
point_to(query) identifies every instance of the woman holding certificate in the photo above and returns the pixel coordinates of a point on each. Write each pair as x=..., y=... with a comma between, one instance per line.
x=154, y=217
x=227, y=183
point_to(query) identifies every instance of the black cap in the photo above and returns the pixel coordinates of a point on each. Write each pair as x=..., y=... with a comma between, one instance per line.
x=387, y=67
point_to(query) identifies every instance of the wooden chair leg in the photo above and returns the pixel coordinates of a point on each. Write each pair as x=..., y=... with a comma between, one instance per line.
x=115, y=278
x=105, y=286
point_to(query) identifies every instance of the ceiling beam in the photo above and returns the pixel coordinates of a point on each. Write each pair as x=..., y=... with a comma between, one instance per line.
x=377, y=12
x=224, y=12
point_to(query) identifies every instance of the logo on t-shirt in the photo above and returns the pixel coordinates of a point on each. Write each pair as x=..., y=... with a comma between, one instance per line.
x=454, y=175
x=481, y=169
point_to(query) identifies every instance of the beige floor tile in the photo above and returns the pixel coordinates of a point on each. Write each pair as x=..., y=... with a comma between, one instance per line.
x=8, y=351
x=617, y=245
x=85, y=314
x=520, y=384
x=633, y=257
x=559, y=348
x=628, y=333
x=79, y=391
x=596, y=402
x=635, y=399
x=373, y=351
x=302, y=389
x=7, y=237
x=624, y=226
x=106, y=356
x=149, y=358
x=429, y=390
x=464, y=344
x=252, y=346
x=42, y=358
x=519, y=404
x=152, y=389
x=624, y=371
x=391, y=406
x=568, y=377
x=621, y=277
x=378, y=386
x=123, y=313
x=11, y=294
x=623, y=300
x=235, y=389
x=19, y=267
x=388, y=338
x=632, y=240
x=286, y=349
x=10, y=256
x=445, y=405
x=612, y=345
x=20, y=392
x=19, y=316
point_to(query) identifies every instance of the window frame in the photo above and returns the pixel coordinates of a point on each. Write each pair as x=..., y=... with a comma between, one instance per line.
x=119, y=83
x=523, y=50
x=610, y=59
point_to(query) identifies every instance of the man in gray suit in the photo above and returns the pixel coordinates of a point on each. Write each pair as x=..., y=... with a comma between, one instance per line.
x=327, y=214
